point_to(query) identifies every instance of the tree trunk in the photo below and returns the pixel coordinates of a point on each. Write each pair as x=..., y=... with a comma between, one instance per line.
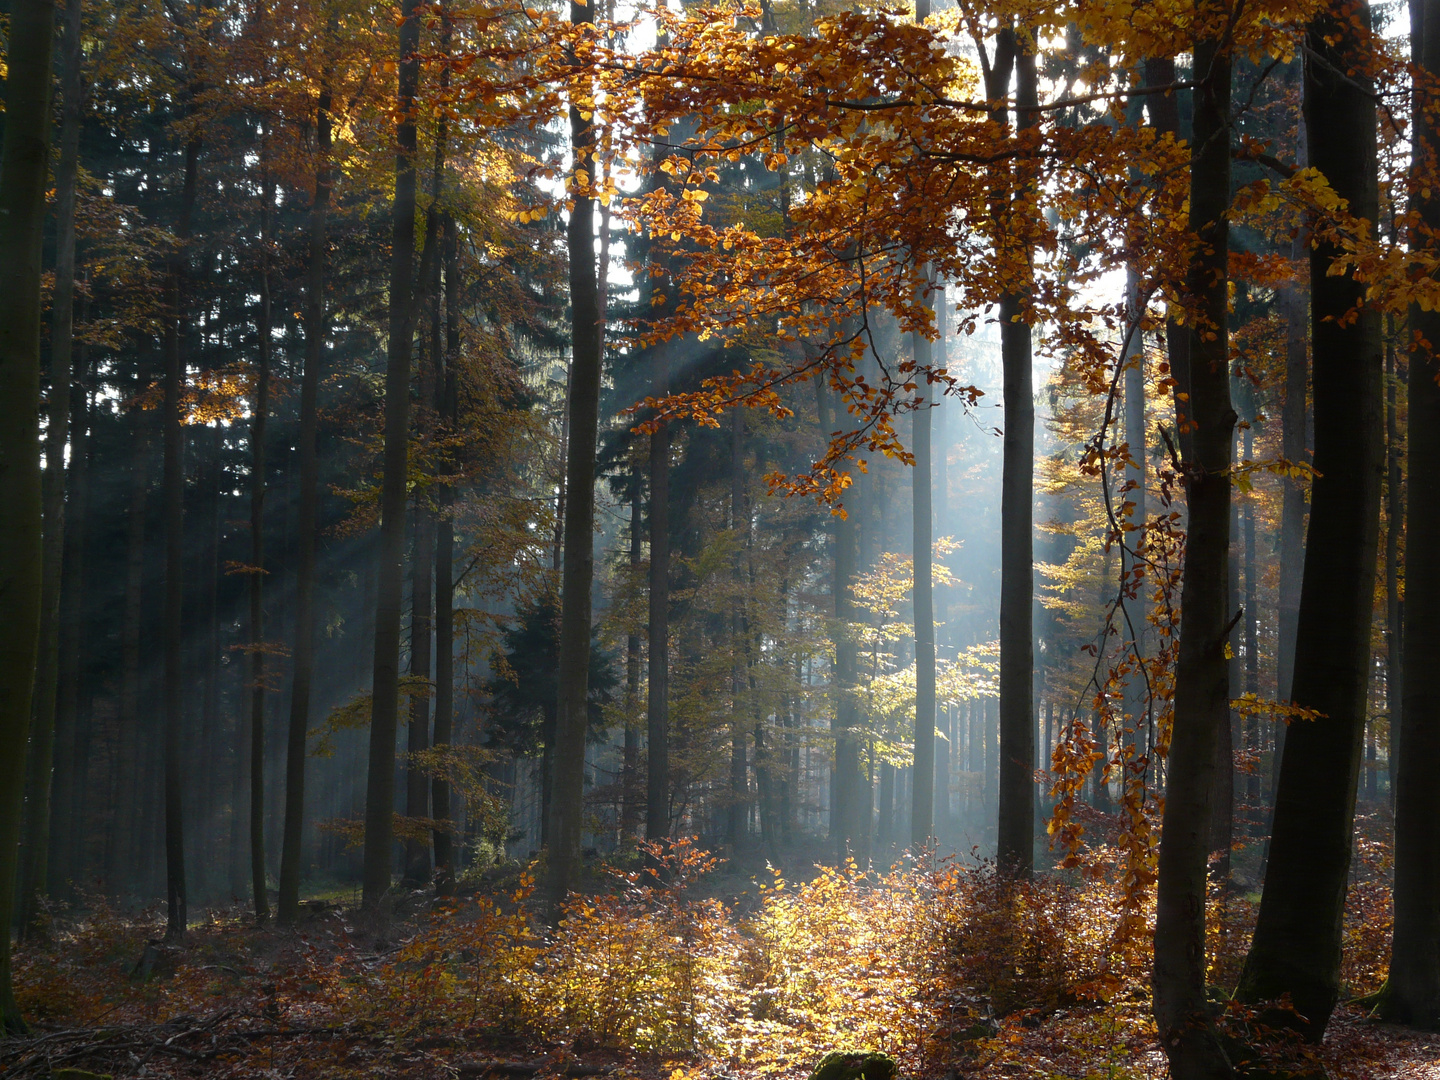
x=1201, y=690
x=630, y=813
x=1412, y=992
x=448, y=409
x=260, y=409
x=70, y=794
x=1394, y=607
x=1015, y=848
x=739, y=638
x=173, y=486
x=23, y=175
x=303, y=680
x=385, y=693
x=657, y=787
x=567, y=802
x=34, y=881
x=1296, y=948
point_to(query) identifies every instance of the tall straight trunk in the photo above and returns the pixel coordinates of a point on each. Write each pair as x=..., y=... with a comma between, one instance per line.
x=71, y=749
x=1015, y=848
x=24, y=168
x=578, y=570
x=1251, y=608
x=657, y=710
x=303, y=678
x=1294, y=440
x=34, y=880
x=845, y=775
x=630, y=812
x=1296, y=948
x=1222, y=806
x=739, y=644
x=385, y=692
x=922, y=809
x=1394, y=607
x=118, y=855
x=422, y=597
x=1136, y=703
x=173, y=487
x=448, y=410
x=1412, y=992
x=1201, y=681
x=259, y=413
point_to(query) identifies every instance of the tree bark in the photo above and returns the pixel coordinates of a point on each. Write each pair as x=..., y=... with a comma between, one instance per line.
x=34, y=882
x=303, y=680
x=173, y=487
x=1296, y=948
x=24, y=169
x=259, y=413
x=385, y=693
x=448, y=409
x=1015, y=849
x=1412, y=992
x=1201, y=691
x=657, y=709
x=578, y=570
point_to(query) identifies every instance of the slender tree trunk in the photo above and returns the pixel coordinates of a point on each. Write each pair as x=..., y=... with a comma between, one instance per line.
x=23, y=175
x=922, y=809
x=1394, y=607
x=173, y=486
x=34, y=880
x=71, y=748
x=259, y=413
x=1252, y=638
x=1296, y=947
x=385, y=694
x=1015, y=850
x=657, y=788
x=1412, y=992
x=448, y=409
x=630, y=814
x=578, y=571
x=1201, y=690
x=739, y=644
x=303, y=680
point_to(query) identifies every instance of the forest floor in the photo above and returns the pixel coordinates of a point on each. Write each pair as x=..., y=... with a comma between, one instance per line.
x=709, y=978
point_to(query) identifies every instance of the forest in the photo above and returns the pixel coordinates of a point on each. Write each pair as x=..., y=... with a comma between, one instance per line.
x=727, y=540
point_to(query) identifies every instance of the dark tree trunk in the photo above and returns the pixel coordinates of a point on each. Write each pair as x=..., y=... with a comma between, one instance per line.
x=23, y=175
x=173, y=486
x=1201, y=681
x=657, y=787
x=1296, y=948
x=448, y=409
x=1412, y=992
x=260, y=410
x=630, y=812
x=302, y=683
x=1394, y=607
x=70, y=794
x=385, y=693
x=34, y=880
x=739, y=810
x=578, y=571
x=1015, y=848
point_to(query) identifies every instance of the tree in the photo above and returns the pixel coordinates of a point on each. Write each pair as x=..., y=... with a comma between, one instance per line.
x=1015, y=851
x=24, y=168
x=385, y=694
x=1296, y=948
x=1201, y=705
x=304, y=651
x=35, y=878
x=1411, y=994
x=578, y=570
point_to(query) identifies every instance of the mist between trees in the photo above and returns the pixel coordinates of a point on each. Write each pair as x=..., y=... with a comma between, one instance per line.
x=438, y=438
